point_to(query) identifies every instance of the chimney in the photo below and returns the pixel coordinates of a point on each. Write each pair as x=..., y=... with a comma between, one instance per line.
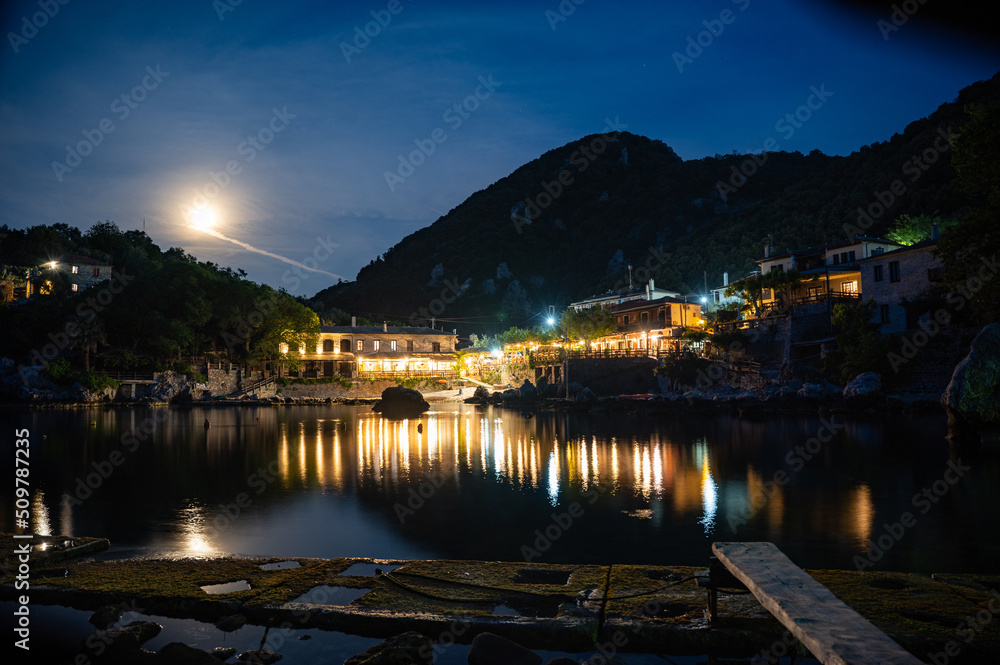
x=454, y=331
x=767, y=250
x=385, y=327
x=652, y=286
x=648, y=295
x=725, y=279
x=354, y=322
x=935, y=232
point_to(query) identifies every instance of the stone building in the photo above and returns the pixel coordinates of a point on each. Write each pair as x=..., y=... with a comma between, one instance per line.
x=894, y=279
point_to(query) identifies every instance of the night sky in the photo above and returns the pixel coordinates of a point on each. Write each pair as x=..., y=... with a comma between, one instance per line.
x=125, y=110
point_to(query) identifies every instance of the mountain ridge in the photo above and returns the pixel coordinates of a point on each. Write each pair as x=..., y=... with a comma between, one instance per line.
x=567, y=224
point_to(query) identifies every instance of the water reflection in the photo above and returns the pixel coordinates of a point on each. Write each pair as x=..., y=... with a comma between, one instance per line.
x=329, y=481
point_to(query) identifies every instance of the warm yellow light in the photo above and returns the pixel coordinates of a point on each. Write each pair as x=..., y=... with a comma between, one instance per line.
x=283, y=347
x=52, y=264
x=203, y=218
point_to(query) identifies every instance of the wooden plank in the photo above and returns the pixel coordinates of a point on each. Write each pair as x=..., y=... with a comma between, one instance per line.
x=832, y=631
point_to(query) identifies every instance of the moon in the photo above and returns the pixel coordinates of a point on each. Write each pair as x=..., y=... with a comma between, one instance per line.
x=203, y=218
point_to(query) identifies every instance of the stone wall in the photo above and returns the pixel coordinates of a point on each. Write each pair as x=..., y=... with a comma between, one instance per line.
x=614, y=376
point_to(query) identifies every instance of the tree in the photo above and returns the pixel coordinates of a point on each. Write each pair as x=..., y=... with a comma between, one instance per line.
x=860, y=348
x=908, y=230
x=751, y=290
x=975, y=242
x=588, y=324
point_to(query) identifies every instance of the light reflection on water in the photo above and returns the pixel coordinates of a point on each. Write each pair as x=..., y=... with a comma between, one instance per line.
x=480, y=481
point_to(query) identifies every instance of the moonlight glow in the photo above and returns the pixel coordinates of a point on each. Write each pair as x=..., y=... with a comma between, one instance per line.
x=203, y=218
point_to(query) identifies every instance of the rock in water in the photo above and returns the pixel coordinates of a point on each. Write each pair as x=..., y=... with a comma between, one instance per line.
x=866, y=384
x=490, y=649
x=527, y=391
x=400, y=401
x=409, y=648
x=972, y=398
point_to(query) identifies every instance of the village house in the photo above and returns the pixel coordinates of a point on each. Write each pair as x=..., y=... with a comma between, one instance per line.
x=898, y=277
x=82, y=272
x=651, y=326
x=647, y=291
x=380, y=352
x=798, y=320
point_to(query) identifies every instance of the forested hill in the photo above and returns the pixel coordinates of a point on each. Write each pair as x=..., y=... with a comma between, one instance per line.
x=567, y=225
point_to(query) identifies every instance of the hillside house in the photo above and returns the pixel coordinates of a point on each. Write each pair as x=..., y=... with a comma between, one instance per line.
x=82, y=272
x=653, y=326
x=647, y=291
x=380, y=352
x=899, y=276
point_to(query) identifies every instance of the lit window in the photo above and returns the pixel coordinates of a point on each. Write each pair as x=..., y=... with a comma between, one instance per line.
x=850, y=287
x=75, y=269
x=375, y=345
x=361, y=345
x=76, y=287
x=392, y=345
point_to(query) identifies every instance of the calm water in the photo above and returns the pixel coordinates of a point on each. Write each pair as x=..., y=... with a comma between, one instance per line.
x=486, y=483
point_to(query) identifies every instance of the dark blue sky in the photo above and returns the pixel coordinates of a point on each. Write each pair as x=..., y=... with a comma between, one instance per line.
x=309, y=127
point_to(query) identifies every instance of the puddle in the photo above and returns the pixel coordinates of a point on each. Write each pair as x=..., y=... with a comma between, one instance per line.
x=280, y=565
x=228, y=587
x=330, y=595
x=368, y=569
x=504, y=611
x=540, y=576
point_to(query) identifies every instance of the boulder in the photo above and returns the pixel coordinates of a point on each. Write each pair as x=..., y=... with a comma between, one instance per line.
x=400, y=401
x=107, y=616
x=222, y=653
x=490, y=649
x=866, y=384
x=409, y=648
x=811, y=391
x=972, y=398
x=121, y=645
x=527, y=391
x=586, y=397
x=178, y=653
x=230, y=623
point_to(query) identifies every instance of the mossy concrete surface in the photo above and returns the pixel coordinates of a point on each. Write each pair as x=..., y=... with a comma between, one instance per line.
x=635, y=608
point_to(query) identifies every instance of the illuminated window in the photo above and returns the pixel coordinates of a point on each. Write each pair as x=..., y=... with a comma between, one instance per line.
x=392, y=345
x=76, y=287
x=361, y=345
x=375, y=345
x=850, y=287
x=75, y=269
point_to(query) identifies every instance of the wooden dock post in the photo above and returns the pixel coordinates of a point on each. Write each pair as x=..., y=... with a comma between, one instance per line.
x=831, y=630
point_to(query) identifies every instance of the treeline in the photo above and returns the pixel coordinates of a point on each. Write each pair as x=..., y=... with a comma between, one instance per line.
x=158, y=305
